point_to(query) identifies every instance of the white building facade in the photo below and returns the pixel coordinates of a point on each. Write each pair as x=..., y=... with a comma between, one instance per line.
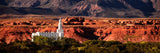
x=56, y=35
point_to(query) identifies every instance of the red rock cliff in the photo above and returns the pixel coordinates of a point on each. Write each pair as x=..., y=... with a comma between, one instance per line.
x=123, y=30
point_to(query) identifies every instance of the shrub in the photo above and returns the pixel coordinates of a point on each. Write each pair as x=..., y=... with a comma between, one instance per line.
x=40, y=40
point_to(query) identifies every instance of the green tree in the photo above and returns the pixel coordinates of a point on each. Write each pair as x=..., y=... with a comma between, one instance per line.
x=40, y=40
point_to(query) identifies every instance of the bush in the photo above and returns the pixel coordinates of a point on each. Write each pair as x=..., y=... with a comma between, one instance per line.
x=40, y=40
x=68, y=45
x=101, y=43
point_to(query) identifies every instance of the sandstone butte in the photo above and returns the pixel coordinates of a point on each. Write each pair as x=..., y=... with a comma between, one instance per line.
x=83, y=29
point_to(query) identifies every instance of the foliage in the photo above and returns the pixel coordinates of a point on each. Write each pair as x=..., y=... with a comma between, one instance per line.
x=40, y=40
x=68, y=45
x=100, y=43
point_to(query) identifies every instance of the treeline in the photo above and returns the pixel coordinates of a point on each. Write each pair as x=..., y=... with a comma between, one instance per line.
x=68, y=45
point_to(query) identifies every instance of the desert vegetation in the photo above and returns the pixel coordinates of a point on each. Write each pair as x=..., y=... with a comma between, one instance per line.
x=68, y=45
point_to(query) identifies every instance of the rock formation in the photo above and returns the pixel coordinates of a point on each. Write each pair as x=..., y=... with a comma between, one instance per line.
x=123, y=30
x=97, y=8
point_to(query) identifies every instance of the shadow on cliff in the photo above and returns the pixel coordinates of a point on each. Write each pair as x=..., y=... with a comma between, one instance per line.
x=146, y=8
x=111, y=4
x=86, y=32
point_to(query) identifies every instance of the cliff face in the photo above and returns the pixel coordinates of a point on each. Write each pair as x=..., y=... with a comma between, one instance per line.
x=81, y=34
x=101, y=8
x=133, y=34
x=81, y=29
x=156, y=4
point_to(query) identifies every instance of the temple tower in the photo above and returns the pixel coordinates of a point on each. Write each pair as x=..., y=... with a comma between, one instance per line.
x=60, y=31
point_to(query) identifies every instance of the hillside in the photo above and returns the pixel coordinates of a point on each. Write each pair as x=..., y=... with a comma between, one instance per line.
x=95, y=8
x=20, y=27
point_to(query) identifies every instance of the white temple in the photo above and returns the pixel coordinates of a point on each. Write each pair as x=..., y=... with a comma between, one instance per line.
x=56, y=35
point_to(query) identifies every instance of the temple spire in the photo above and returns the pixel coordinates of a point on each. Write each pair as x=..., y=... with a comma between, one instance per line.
x=60, y=30
x=60, y=24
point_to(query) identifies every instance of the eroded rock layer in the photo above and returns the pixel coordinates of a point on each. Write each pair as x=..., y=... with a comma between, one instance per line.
x=81, y=29
x=95, y=8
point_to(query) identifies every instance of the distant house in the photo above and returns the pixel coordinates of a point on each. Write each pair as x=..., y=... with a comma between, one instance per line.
x=56, y=35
